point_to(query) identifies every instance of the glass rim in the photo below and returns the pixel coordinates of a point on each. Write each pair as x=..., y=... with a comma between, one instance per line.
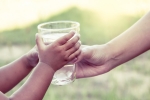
x=44, y=29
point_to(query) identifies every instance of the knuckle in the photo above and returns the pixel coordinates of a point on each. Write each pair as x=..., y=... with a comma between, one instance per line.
x=72, y=57
x=66, y=38
x=76, y=47
x=54, y=45
x=73, y=42
x=66, y=58
x=58, y=50
x=62, y=53
x=77, y=53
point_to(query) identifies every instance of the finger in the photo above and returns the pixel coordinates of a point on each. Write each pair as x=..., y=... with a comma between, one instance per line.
x=78, y=34
x=80, y=42
x=34, y=51
x=65, y=38
x=73, y=49
x=84, y=54
x=74, y=55
x=73, y=61
x=71, y=43
x=35, y=48
x=39, y=42
x=80, y=57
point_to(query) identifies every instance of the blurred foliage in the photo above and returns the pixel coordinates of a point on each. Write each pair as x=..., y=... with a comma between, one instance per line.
x=93, y=29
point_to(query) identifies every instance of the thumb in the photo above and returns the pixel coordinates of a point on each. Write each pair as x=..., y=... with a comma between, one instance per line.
x=86, y=53
x=80, y=57
x=39, y=42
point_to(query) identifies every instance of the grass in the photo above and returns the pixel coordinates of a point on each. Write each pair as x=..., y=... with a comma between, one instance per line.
x=94, y=30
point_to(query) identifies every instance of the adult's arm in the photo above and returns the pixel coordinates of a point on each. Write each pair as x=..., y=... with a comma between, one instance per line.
x=99, y=59
x=131, y=43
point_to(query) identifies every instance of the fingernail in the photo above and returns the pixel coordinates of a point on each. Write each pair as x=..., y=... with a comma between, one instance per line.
x=77, y=36
x=80, y=42
x=36, y=34
x=72, y=31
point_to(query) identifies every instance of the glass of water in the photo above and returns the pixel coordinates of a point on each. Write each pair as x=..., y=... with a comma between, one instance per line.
x=51, y=31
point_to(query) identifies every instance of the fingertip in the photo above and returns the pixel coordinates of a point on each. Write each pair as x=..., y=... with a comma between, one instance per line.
x=75, y=33
x=72, y=32
x=80, y=42
x=36, y=37
x=77, y=38
x=66, y=37
x=79, y=35
x=39, y=41
x=78, y=60
x=73, y=61
x=36, y=34
x=80, y=57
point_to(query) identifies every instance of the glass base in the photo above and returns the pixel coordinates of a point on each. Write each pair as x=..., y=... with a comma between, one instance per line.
x=61, y=82
x=65, y=75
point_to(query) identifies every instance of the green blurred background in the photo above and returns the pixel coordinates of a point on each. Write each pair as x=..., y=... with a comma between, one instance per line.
x=100, y=20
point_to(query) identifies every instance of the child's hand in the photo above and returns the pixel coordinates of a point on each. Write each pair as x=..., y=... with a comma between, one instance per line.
x=60, y=52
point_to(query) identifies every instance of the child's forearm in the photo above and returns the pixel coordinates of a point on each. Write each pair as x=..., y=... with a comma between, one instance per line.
x=37, y=84
x=13, y=73
x=131, y=43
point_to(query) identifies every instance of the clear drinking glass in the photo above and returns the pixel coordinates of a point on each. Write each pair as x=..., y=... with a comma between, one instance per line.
x=50, y=32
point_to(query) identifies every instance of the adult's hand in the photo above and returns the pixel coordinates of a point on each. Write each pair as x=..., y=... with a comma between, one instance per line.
x=94, y=60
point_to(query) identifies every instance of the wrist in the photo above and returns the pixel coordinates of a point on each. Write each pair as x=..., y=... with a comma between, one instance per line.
x=46, y=65
x=114, y=54
x=26, y=62
x=113, y=50
x=104, y=51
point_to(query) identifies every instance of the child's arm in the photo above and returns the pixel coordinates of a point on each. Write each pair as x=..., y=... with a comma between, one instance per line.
x=60, y=51
x=13, y=73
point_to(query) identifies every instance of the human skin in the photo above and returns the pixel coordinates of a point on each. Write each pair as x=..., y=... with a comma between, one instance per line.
x=64, y=50
x=11, y=74
x=99, y=59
